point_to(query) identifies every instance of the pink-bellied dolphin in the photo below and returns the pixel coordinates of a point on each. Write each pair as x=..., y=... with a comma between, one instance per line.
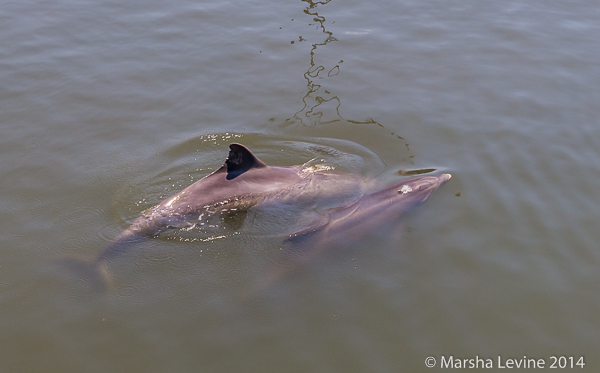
x=344, y=226
x=237, y=184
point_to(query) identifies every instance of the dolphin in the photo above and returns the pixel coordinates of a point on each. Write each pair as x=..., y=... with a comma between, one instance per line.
x=346, y=224
x=343, y=226
x=237, y=185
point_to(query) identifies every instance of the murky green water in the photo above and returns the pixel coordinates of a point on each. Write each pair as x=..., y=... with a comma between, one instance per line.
x=109, y=107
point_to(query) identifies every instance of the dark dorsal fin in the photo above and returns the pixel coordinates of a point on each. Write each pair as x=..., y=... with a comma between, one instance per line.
x=240, y=160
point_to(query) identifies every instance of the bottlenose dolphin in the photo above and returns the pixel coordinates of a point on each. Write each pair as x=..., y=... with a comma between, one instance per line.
x=343, y=226
x=237, y=185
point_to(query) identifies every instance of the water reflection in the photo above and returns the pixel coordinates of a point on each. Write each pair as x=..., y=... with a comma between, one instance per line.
x=321, y=104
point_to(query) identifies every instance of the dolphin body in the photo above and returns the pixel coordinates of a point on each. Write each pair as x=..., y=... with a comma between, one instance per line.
x=346, y=224
x=343, y=226
x=237, y=185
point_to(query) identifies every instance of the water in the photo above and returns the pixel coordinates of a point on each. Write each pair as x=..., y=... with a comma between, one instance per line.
x=108, y=107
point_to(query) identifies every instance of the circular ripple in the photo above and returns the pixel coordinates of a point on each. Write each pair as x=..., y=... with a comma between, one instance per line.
x=80, y=216
x=75, y=245
x=189, y=160
x=75, y=285
x=127, y=292
x=29, y=247
x=24, y=204
x=155, y=256
x=5, y=292
x=139, y=294
x=188, y=302
x=73, y=302
x=192, y=159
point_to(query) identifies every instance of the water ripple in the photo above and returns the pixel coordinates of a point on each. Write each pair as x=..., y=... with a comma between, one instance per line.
x=128, y=291
x=82, y=216
x=6, y=292
x=24, y=204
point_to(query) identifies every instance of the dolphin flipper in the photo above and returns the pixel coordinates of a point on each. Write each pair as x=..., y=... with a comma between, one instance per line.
x=313, y=228
x=318, y=225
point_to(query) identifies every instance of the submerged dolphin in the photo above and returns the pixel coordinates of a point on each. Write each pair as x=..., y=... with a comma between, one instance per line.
x=345, y=225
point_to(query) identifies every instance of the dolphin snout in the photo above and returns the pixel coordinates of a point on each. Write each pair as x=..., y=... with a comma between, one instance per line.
x=424, y=183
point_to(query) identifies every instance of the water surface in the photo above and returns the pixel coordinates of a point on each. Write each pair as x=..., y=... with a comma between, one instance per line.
x=109, y=107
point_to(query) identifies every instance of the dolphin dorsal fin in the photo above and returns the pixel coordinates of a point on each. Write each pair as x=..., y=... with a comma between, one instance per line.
x=240, y=160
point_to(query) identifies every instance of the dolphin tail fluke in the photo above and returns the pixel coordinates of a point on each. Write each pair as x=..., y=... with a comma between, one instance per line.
x=94, y=273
